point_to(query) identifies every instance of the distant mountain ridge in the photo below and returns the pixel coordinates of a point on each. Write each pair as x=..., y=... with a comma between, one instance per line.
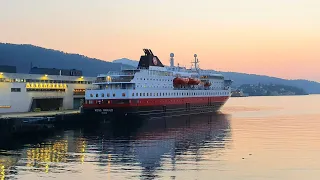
x=23, y=55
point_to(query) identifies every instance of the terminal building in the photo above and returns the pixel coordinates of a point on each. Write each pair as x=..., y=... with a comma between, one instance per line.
x=43, y=89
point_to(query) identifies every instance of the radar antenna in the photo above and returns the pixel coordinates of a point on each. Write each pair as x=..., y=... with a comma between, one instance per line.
x=171, y=59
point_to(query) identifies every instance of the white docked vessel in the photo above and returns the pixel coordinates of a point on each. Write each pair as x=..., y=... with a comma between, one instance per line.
x=153, y=89
x=42, y=90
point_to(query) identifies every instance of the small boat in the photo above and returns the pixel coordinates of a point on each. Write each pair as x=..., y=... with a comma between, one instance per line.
x=180, y=81
x=207, y=84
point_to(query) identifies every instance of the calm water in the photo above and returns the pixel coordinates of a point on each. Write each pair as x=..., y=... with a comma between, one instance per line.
x=253, y=138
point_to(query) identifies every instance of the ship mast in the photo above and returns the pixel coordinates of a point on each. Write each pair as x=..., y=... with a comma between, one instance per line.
x=195, y=62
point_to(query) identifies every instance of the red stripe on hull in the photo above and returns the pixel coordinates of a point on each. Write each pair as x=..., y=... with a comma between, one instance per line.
x=155, y=102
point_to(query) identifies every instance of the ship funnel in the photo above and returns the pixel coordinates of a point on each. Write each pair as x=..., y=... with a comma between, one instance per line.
x=149, y=59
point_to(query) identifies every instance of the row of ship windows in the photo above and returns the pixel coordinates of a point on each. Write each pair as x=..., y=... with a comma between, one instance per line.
x=155, y=79
x=164, y=94
x=180, y=94
x=169, y=80
x=43, y=81
x=146, y=86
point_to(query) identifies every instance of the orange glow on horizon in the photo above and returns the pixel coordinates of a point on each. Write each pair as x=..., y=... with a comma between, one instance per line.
x=276, y=38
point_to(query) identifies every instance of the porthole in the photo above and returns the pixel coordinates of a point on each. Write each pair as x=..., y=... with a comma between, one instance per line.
x=97, y=95
x=114, y=94
x=91, y=95
x=108, y=95
x=102, y=95
x=123, y=94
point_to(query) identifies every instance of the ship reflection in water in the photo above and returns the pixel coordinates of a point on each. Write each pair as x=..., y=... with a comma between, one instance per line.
x=150, y=149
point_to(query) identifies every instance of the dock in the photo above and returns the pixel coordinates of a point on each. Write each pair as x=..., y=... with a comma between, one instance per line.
x=32, y=122
x=38, y=114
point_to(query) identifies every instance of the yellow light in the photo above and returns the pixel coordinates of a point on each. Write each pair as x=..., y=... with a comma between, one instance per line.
x=46, y=75
x=5, y=106
x=81, y=77
x=1, y=73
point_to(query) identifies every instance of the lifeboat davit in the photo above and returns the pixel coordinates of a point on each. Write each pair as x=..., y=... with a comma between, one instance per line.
x=180, y=81
x=193, y=81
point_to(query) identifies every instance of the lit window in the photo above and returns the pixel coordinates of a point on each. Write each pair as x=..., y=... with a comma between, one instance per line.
x=123, y=94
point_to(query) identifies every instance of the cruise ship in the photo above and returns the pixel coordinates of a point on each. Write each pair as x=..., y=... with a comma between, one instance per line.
x=42, y=89
x=154, y=90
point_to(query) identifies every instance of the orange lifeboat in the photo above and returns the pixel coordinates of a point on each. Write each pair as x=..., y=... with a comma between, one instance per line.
x=193, y=81
x=180, y=81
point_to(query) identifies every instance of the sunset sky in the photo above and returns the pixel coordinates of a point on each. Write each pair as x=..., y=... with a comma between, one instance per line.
x=272, y=37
